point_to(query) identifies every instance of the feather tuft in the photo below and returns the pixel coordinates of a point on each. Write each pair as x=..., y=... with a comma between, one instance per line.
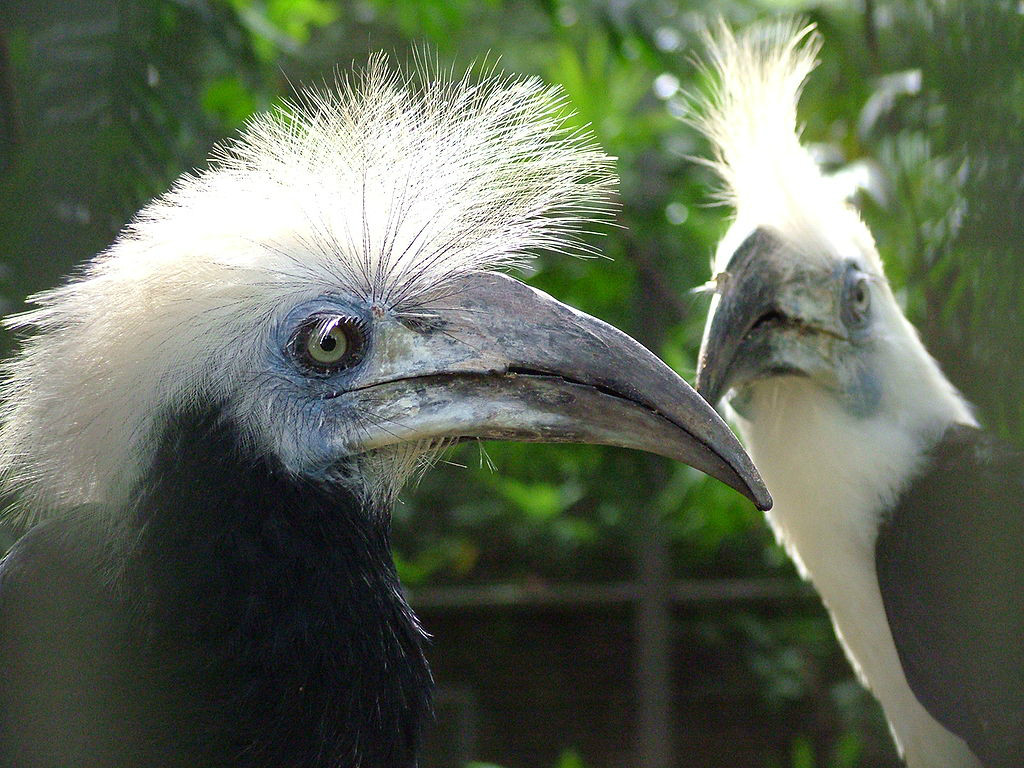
x=385, y=187
x=750, y=117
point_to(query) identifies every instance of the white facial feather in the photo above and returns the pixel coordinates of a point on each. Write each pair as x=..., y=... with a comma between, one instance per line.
x=384, y=188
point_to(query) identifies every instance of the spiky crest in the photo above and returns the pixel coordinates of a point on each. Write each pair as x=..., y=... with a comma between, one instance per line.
x=750, y=117
x=385, y=187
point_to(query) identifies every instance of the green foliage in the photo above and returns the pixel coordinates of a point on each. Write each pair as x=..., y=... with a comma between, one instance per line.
x=845, y=753
x=952, y=153
x=279, y=27
x=435, y=19
x=227, y=99
x=570, y=758
x=103, y=104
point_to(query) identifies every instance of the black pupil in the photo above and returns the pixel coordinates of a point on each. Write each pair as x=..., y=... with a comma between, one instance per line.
x=328, y=343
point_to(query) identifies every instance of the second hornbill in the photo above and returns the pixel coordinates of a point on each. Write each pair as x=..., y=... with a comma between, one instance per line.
x=904, y=514
x=206, y=428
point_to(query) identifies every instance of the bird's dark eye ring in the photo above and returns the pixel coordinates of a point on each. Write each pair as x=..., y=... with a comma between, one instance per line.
x=328, y=343
x=856, y=302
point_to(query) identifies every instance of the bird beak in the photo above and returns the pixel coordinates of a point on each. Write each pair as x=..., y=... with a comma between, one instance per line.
x=768, y=318
x=496, y=359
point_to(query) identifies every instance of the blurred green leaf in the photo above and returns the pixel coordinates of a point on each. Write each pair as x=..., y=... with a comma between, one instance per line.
x=227, y=99
x=540, y=501
x=848, y=751
x=570, y=758
x=802, y=753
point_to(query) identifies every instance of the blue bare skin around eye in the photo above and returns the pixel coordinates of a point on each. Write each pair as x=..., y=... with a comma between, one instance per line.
x=316, y=395
x=280, y=338
x=865, y=395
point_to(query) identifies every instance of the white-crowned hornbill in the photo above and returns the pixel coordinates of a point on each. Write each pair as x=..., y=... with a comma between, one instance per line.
x=902, y=512
x=205, y=428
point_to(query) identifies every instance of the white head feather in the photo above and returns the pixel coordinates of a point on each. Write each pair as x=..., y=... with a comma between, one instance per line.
x=385, y=188
x=772, y=180
x=750, y=117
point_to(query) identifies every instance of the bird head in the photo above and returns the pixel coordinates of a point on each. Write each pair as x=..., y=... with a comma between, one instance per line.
x=331, y=285
x=803, y=326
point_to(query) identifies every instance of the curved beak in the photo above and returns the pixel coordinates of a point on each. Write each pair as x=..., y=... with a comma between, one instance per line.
x=496, y=359
x=736, y=346
x=768, y=318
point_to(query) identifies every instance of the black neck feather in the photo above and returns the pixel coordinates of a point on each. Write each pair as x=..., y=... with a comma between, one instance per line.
x=279, y=630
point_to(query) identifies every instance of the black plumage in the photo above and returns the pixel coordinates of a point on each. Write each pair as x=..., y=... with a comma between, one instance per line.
x=257, y=620
x=950, y=563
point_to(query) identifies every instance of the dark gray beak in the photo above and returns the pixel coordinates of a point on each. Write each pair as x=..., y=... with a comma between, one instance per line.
x=496, y=359
x=768, y=318
x=736, y=345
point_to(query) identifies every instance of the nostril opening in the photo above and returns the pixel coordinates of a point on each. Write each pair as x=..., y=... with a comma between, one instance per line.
x=773, y=317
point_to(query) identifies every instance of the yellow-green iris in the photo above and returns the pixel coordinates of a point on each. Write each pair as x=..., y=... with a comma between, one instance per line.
x=327, y=345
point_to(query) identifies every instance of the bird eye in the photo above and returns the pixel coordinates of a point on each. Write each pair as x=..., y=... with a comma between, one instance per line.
x=856, y=298
x=329, y=343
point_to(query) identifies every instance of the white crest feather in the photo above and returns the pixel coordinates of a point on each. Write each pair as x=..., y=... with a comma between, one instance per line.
x=385, y=187
x=750, y=117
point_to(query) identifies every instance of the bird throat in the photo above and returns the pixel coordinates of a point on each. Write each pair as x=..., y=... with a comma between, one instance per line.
x=278, y=634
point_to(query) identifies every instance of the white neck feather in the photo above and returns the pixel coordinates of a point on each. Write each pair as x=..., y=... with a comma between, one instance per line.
x=832, y=475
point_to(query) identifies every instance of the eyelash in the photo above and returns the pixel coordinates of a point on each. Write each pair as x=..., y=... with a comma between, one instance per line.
x=355, y=331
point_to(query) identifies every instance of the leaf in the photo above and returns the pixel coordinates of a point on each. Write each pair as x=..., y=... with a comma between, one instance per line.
x=570, y=758
x=227, y=99
x=802, y=753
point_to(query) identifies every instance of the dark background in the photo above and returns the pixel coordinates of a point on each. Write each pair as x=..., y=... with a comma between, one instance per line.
x=590, y=607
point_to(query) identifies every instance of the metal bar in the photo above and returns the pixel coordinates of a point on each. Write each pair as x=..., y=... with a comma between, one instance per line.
x=539, y=595
x=653, y=657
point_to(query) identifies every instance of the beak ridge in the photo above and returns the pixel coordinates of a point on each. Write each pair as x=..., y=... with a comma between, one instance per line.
x=746, y=294
x=542, y=371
